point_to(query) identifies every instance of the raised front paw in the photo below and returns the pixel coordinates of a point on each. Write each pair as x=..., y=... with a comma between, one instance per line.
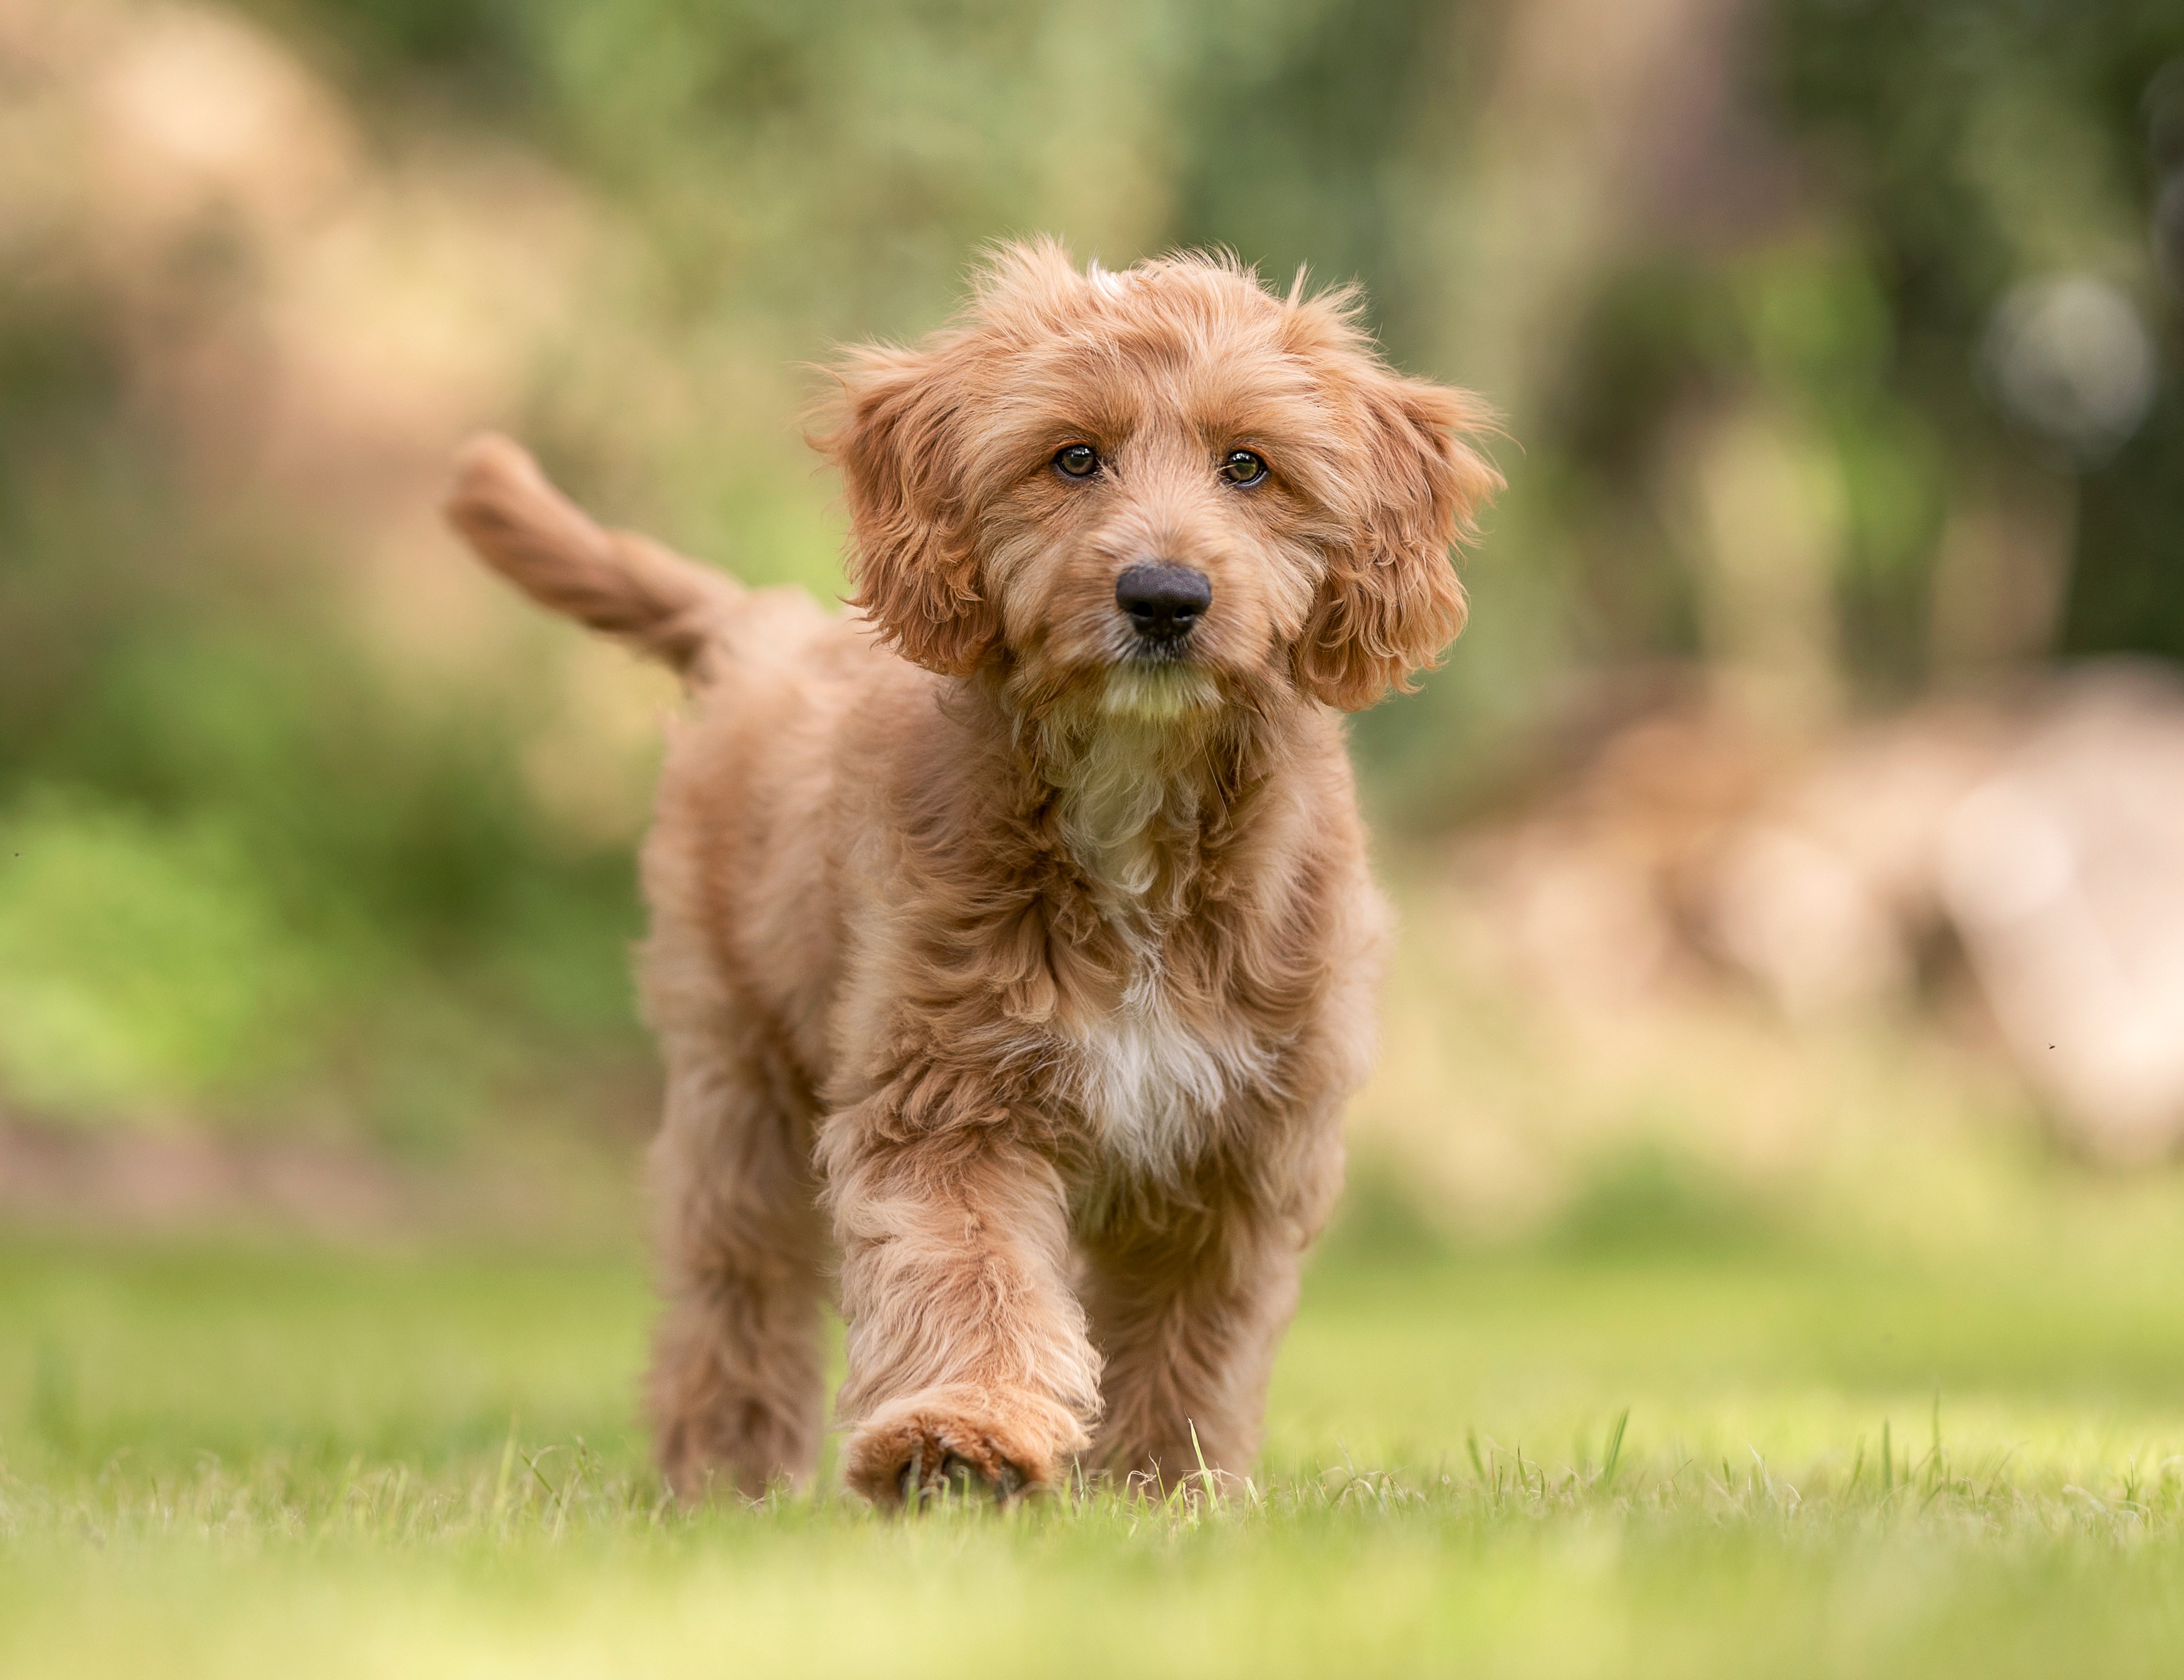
x=984, y=1443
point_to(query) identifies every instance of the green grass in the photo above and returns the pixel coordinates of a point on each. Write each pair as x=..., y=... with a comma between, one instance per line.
x=245, y=1460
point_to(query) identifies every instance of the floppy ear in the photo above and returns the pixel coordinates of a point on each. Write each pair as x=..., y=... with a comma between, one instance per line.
x=916, y=564
x=1391, y=602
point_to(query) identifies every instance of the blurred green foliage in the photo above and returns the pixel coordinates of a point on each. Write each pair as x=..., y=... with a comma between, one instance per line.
x=1970, y=146
x=254, y=862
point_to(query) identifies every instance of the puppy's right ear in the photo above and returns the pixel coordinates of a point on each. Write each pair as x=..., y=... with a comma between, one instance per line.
x=899, y=443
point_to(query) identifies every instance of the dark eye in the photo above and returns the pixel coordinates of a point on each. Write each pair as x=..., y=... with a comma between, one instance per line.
x=1077, y=460
x=1243, y=467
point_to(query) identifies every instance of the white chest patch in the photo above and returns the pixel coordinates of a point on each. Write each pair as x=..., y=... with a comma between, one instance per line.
x=1149, y=1086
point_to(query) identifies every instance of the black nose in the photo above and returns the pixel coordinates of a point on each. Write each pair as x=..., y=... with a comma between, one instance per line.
x=1164, y=601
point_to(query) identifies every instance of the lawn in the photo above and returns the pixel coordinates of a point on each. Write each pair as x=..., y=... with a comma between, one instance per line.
x=264, y=1458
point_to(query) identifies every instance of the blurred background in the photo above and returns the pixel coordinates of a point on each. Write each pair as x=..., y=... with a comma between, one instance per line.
x=1802, y=813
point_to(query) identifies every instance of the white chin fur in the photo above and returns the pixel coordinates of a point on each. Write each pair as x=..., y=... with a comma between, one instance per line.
x=1157, y=693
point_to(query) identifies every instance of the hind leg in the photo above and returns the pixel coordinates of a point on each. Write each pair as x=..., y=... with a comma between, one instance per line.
x=734, y=1393
x=1189, y=1325
x=1188, y=1306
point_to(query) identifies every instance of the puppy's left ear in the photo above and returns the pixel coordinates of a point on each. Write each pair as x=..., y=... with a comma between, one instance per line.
x=1391, y=602
x=897, y=440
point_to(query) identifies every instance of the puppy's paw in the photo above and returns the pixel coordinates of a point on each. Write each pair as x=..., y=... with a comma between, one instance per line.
x=981, y=1443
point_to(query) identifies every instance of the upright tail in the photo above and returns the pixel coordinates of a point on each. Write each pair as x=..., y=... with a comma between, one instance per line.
x=616, y=582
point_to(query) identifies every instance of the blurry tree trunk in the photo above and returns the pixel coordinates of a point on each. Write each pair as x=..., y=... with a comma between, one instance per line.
x=1589, y=104
x=1612, y=125
x=1762, y=504
x=2002, y=574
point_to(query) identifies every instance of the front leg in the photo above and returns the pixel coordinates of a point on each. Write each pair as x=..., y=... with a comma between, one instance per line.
x=968, y=1360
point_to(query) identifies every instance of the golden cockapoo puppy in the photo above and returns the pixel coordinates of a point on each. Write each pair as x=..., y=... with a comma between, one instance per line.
x=1013, y=946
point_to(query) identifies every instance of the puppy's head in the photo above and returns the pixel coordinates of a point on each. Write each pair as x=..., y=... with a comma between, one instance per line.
x=1161, y=490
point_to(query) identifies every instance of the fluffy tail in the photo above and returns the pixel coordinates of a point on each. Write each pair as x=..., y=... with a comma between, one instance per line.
x=616, y=582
